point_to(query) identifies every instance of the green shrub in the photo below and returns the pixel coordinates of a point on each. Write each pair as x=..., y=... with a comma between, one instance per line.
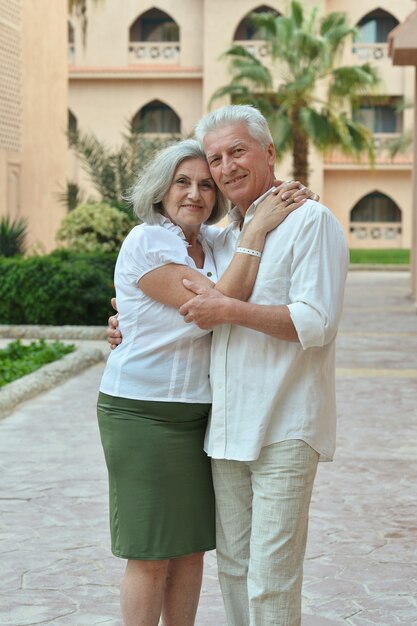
x=94, y=227
x=17, y=360
x=12, y=236
x=61, y=288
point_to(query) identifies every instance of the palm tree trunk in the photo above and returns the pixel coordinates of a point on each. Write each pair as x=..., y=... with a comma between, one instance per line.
x=299, y=150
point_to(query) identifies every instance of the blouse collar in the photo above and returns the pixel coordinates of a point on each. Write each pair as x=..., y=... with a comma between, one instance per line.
x=174, y=228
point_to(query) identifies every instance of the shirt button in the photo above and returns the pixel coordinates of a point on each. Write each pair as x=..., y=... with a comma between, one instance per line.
x=209, y=274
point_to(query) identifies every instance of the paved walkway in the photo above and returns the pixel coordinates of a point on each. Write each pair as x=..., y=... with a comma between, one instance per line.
x=361, y=569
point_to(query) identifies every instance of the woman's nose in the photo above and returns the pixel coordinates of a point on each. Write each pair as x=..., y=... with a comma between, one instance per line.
x=194, y=191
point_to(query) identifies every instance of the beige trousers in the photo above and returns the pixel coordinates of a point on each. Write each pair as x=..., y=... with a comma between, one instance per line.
x=261, y=533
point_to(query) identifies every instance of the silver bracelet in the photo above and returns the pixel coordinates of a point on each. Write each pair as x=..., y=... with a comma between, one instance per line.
x=249, y=251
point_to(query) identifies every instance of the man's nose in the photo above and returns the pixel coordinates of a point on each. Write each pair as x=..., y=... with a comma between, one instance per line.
x=228, y=165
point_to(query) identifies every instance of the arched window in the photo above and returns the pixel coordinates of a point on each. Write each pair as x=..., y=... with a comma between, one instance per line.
x=375, y=207
x=154, y=25
x=156, y=117
x=246, y=30
x=375, y=26
x=72, y=122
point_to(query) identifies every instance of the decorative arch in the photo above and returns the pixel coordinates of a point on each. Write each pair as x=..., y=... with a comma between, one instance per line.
x=375, y=26
x=154, y=25
x=376, y=207
x=245, y=30
x=156, y=117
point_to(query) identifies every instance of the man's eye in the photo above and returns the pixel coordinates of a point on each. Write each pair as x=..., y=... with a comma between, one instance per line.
x=207, y=185
x=214, y=161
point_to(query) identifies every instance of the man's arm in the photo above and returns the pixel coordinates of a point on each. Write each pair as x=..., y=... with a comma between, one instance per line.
x=315, y=298
x=210, y=308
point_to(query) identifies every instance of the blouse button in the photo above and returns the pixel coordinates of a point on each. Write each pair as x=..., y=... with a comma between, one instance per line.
x=209, y=274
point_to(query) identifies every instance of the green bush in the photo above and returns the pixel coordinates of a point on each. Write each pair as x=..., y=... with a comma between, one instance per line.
x=61, y=288
x=94, y=227
x=17, y=360
x=12, y=236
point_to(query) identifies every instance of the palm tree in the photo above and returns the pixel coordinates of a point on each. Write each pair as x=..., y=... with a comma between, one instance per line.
x=113, y=171
x=309, y=105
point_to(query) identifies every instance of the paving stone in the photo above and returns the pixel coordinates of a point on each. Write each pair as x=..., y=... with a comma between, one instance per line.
x=56, y=568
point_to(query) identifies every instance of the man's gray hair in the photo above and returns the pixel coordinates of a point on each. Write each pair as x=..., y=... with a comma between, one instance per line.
x=234, y=114
x=155, y=180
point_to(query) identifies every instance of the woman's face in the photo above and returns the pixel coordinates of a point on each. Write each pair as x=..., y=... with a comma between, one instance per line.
x=191, y=196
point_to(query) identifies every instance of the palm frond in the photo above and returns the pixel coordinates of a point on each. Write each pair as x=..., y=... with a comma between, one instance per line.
x=399, y=145
x=354, y=80
x=297, y=13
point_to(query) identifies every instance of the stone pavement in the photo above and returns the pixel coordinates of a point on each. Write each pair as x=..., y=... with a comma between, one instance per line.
x=361, y=567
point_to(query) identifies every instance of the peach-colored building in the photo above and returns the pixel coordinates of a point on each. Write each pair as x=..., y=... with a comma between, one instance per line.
x=161, y=63
x=33, y=115
x=403, y=51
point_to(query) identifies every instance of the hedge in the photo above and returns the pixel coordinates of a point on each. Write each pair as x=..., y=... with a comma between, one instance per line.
x=61, y=288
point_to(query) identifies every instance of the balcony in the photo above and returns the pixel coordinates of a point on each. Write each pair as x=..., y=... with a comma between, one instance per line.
x=336, y=158
x=370, y=52
x=393, y=78
x=256, y=47
x=375, y=235
x=154, y=52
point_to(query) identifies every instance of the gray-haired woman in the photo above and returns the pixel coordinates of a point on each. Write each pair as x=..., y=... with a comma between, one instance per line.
x=155, y=392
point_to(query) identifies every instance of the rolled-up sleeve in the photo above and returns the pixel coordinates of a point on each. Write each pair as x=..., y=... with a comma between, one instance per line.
x=318, y=273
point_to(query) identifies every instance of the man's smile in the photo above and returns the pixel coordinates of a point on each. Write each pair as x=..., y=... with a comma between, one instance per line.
x=235, y=179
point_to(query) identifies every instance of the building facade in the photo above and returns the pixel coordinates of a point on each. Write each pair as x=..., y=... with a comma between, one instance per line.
x=33, y=115
x=158, y=66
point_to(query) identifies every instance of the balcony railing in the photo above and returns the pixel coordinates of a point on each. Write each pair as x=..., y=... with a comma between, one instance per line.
x=375, y=234
x=258, y=48
x=154, y=52
x=370, y=51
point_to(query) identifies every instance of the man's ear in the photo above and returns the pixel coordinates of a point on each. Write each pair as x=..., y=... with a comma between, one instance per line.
x=272, y=155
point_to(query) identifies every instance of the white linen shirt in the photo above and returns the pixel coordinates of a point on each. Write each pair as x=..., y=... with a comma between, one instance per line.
x=267, y=390
x=161, y=358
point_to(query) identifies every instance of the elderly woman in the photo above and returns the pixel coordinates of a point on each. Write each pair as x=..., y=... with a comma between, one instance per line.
x=155, y=392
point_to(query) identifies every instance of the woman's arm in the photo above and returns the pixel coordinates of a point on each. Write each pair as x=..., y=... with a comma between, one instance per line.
x=165, y=284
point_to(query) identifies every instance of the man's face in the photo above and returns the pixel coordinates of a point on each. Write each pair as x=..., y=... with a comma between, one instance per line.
x=241, y=168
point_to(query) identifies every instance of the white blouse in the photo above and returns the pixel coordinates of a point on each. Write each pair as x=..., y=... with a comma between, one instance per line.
x=161, y=358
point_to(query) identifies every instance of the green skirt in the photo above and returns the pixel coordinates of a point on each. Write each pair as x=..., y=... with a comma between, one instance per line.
x=160, y=487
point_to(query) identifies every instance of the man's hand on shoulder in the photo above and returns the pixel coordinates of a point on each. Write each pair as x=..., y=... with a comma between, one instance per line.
x=114, y=336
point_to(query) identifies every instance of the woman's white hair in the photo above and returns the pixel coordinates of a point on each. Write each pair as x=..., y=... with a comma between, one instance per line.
x=234, y=114
x=155, y=180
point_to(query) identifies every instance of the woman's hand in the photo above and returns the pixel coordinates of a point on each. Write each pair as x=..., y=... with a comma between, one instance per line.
x=274, y=209
x=295, y=189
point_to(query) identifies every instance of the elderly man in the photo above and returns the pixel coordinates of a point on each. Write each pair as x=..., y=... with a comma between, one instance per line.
x=272, y=375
